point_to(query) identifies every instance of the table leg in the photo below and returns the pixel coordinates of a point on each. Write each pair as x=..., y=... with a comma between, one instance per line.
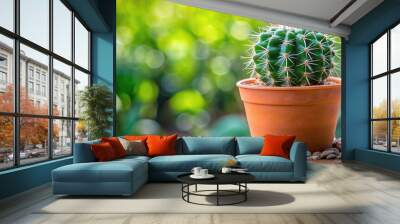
x=182, y=190
x=195, y=188
x=245, y=193
x=188, y=190
x=217, y=194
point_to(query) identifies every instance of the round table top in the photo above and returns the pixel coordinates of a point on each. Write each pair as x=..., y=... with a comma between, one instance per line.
x=220, y=178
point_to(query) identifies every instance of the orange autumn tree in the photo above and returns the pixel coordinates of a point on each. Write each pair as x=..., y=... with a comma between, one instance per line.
x=6, y=122
x=380, y=127
x=33, y=130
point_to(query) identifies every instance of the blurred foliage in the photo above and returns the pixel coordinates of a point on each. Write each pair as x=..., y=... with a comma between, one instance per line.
x=177, y=67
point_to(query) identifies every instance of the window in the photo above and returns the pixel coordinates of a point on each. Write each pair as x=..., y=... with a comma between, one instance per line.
x=6, y=142
x=3, y=78
x=81, y=45
x=3, y=72
x=6, y=73
x=30, y=72
x=37, y=89
x=62, y=74
x=37, y=74
x=34, y=21
x=385, y=94
x=81, y=81
x=3, y=61
x=44, y=91
x=62, y=137
x=7, y=14
x=33, y=147
x=30, y=88
x=47, y=76
x=62, y=29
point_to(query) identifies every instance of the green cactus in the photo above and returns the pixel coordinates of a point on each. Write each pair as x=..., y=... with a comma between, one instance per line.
x=292, y=57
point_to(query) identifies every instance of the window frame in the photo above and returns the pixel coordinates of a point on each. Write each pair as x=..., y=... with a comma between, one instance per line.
x=388, y=74
x=16, y=114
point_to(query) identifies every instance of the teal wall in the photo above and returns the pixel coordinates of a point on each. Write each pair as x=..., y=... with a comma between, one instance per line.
x=355, y=111
x=99, y=15
x=24, y=178
x=103, y=63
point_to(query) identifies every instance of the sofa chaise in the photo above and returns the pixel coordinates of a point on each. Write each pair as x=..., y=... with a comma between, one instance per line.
x=125, y=176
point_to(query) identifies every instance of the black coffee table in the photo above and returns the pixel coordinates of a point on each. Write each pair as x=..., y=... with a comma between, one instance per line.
x=238, y=179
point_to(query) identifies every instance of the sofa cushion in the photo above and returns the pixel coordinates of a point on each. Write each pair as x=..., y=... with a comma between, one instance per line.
x=135, y=137
x=134, y=147
x=257, y=163
x=207, y=145
x=185, y=163
x=161, y=145
x=103, y=152
x=249, y=145
x=112, y=171
x=83, y=152
x=277, y=145
x=116, y=145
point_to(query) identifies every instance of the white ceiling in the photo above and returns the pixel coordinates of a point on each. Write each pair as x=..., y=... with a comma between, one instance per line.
x=319, y=9
x=328, y=16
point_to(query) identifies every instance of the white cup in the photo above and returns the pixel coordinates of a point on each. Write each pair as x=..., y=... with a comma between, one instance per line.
x=226, y=170
x=203, y=172
x=196, y=171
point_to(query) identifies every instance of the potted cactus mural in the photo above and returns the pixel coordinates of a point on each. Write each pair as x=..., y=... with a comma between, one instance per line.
x=292, y=90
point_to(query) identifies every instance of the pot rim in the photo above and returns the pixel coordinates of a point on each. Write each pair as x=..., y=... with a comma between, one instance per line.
x=336, y=83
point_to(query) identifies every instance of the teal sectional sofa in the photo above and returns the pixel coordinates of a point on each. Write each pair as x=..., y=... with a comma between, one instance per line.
x=125, y=176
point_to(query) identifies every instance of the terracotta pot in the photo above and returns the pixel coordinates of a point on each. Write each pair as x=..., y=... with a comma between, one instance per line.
x=308, y=112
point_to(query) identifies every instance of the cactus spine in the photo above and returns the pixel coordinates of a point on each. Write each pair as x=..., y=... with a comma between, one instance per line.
x=292, y=57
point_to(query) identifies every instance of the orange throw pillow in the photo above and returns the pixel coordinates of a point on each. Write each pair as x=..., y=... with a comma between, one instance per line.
x=161, y=145
x=116, y=145
x=135, y=137
x=103, y=151
x=277, y=145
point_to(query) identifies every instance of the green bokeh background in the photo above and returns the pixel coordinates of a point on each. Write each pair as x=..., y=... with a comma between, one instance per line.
x=177, y=67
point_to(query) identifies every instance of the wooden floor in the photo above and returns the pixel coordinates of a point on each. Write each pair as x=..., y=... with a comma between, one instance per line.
x=378, y=189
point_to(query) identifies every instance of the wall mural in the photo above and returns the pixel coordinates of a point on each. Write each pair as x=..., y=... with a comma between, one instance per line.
x=177, y=68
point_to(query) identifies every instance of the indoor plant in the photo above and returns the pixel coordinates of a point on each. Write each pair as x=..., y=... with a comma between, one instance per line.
x=292, y=90
x=96, y=102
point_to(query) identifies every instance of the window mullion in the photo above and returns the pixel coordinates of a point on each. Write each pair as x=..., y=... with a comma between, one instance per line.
x=50, y=81
x=16, y=69
x=389, y=104
x=73, y=82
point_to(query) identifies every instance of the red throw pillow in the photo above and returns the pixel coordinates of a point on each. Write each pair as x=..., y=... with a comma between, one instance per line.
x=103, y=151
x=277, y=145
x=116, y=145
x=161, y=145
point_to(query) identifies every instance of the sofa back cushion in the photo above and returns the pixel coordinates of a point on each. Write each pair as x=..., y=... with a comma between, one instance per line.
x=83, y=152
x=161, y=145
x=116, y=146
x=277, y=145
x=249, y=145
x=206, y=145
x=104, y=152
